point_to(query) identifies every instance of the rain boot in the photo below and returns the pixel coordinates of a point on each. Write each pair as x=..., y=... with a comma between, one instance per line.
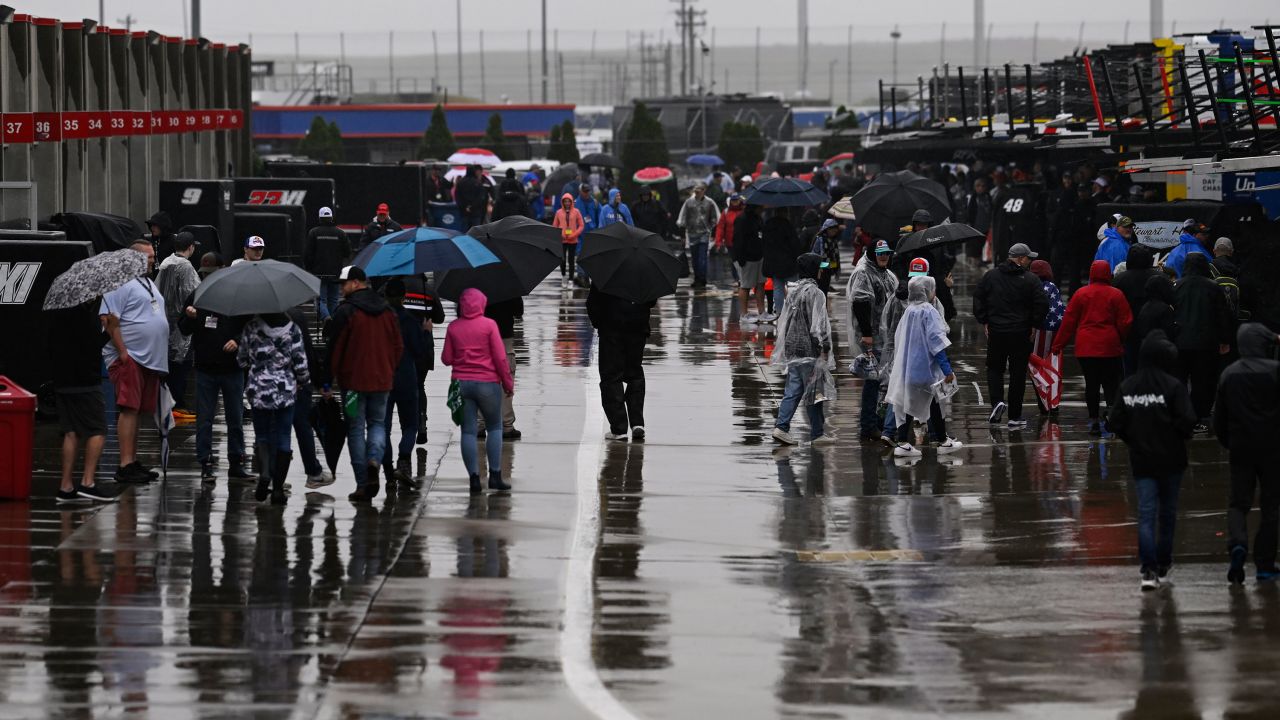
x=263, y=453
x=495, y=481
x=278, y=473
x=236, y=471
x=368, y=490
x=476, y=487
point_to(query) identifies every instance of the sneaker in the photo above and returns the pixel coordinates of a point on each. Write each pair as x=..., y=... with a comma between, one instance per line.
x=997, y=413
x=616, y=436
x=132, y=475
x=637, y=433
x=949, y=445
x=512, y=434
x=888, y=442
x=1149, y=581
x=906, y=450
x=1235, y=574
x=1163, y=573
x=751, y=317
x=782, y=436
x=319, y=480
x=144, y=470
x=768, y=317
x=95, y=493
x=1268, y=575
x=69, y=496
x=826, y=438
x=206, y=472
x=1200, y=429
x=1017, y=424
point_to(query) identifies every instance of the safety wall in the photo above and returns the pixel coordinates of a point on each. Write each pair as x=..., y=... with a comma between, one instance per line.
x=96, y=117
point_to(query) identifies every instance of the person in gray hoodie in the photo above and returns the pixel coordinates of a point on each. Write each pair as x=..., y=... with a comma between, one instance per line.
x=275, y=360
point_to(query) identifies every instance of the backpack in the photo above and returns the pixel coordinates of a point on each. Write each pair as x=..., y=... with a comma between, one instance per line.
x=1231, y=289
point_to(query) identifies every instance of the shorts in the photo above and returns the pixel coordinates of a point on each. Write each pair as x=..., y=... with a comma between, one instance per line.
x=750, y=274
x=137, y=388
x=83, y=413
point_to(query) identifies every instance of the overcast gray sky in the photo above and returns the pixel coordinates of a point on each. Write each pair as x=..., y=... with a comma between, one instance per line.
x=506, y=21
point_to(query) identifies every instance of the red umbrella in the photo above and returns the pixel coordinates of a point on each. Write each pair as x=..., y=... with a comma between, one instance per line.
x=652, y=175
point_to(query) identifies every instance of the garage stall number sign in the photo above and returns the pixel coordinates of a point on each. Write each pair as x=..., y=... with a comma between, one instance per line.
x=25, y=128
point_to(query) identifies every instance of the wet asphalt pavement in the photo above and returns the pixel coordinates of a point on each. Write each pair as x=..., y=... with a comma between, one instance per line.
x=719, y=578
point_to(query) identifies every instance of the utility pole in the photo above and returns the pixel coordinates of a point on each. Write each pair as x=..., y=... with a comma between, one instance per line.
x=528, y=59
x=689, y=20
x=757, y=59
x=802, y=43
x=102, y=12
x=896, y=36
x=1035, y=39
x=459, y=29
x=942, y=46
x=544, y=52
x=482, y=87
x=391, y=58
x=195, y=17
x=435, y=59
x=128, y=21
x=848, y=66
x=979, y=24
x=1156, y=18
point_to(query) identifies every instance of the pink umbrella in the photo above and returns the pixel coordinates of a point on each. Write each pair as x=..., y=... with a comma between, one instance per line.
x=474, y=156
x=652, y=175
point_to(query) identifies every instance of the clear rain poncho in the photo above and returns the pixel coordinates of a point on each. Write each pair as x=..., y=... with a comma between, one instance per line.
x=921, y=334
x=803, y=331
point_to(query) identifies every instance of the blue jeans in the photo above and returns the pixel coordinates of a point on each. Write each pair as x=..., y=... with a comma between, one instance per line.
x=792, y=393
x=485, y=398
x=305, y=433
x=698, y=251
x=273, y=428
x=406, y=401
x=330, y=296
x=366, y=431
x=780, y=293
x=208, y=387
x=869, y=420
x=1157, y=515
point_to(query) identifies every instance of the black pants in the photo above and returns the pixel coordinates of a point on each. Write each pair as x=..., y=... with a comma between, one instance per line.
x=937, y=424
x=1100, y=374
x=622, y=366
x=568, y=259
x=1200, y=368
x=1008, y=350
x=1250, y=470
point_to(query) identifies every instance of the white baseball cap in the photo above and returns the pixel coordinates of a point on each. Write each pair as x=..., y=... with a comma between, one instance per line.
x=255, y=241
x=326, y=212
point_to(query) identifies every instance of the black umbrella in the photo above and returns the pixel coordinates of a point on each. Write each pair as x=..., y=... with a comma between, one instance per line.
x=887, y=203
x=554, y=186
x=784, y=192
x=326, y=418
x=937, y=235
x=599, y=160
x=527, y=251
x=252, y=288
x=630, y=263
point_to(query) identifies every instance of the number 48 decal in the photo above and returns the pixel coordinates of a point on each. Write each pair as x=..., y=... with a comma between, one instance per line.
x=1013, y=205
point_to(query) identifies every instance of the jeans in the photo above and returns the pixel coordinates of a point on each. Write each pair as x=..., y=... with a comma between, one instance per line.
x=780, y=293
x=508, y=406
x=937, y=425
x=622, y=385
x=273, y=427
x=208, y=387
x=304, y=432
x=405, y=400
x=792, y=392
x=1008, y=350
x=366, y=431
x=179, y=371
x=330, y=296
x=1157, y=514
x=698, y=251
x=869, y=422
x=484, y=398
x=1251, y=470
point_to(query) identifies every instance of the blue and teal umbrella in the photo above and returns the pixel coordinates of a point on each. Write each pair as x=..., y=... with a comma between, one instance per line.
x=420, y=250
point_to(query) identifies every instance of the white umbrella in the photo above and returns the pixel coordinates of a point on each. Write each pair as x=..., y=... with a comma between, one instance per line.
x=474, y=156
x=843, y=209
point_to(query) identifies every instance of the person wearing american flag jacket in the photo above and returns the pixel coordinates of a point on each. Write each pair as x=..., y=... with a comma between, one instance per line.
x=1042, y=337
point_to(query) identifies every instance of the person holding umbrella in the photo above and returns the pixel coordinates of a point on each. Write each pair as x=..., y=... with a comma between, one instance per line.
x=804, y=350
x=275, y=363
x=781, y=248
x=404, y=388
x=649, y=213
x=77, y=382
x=698, y=217
x=571, y=224
x=623, y=326
x=474, y=350
x=364, y=350
x=747, y=251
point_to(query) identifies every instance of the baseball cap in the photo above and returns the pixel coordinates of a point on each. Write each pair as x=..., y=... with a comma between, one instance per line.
x=1101, y=181
x=1124, y=221
x=919, y=267
x=382, y=207
x=351, y=272
x=1192, y=227
x=184, y=240
x=255, y=242
x=882, y=246
x=1224, y=244
x=326, y=212
x=735, y=198
x=1021, y=250
x=922, y=216
x=747, y=179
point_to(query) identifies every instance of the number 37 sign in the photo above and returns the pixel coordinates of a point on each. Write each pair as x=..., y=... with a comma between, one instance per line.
x=22, y=128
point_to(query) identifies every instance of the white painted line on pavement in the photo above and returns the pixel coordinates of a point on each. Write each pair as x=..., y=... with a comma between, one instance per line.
x=579, y=584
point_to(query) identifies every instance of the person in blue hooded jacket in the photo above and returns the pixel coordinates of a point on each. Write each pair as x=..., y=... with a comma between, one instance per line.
x=1192, y=240
x=615, y=211
x=587, y=205
x=1115, y=243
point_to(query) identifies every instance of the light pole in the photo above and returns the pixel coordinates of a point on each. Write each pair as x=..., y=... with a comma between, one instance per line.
x=544, y=52
x=895, y=35
x=831, y=81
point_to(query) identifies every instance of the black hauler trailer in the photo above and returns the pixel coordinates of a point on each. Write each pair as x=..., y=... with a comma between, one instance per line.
x=360, y=188
x=29, y=261
x=270, y=226
x=312, y=193
x=203, y=202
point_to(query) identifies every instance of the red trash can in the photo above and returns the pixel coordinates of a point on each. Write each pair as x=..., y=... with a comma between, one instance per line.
x=17, y=438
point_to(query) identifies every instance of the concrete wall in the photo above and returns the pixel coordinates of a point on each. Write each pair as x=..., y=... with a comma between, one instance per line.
x=96, y=117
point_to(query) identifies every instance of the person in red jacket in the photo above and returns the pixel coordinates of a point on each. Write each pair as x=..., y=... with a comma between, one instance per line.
x=1098, y=319
x=364, y=349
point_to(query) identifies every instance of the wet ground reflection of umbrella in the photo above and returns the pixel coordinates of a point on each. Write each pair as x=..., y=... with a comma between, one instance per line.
x=527, y=250
x=887, y=203
x=630, y=263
